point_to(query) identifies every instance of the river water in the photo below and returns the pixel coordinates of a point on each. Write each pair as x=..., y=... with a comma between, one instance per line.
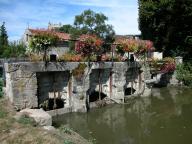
x=163, y=118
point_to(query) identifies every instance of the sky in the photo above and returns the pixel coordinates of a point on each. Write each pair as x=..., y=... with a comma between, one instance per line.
x=21, y=14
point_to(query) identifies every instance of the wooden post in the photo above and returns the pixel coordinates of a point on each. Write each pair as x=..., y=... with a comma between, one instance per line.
x=131, y=87
x=110, y=83
x=99, y=83
x=112, y=50
x=70, y=89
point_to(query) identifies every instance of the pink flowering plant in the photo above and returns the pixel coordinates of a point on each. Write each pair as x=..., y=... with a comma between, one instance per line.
x=126, y=45
x=132, y=45
x=168, y=65
x=88, y=45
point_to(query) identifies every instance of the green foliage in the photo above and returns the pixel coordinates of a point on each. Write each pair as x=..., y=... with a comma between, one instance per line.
x=79, y=71
x=3, y=114
x=3, y=38
x=65, y=129
x=42, y=42
x=26, y=120
x=14, y=50
x=90, y=22
x=168, y=24
x=66, y=28
x=92, y=140
x=68, y=142
x=184, y=73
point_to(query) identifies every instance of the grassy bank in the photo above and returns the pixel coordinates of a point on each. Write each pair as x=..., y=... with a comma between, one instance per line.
x=23, y=131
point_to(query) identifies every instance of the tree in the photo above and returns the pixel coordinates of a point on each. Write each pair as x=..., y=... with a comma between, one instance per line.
x=168, y=24
x=3, y=38
x=42, y=42
x=66, y=28
x=14, y=49
x=90, y=22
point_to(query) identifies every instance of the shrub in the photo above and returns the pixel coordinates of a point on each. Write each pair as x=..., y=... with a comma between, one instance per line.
x=68, y=142
x=70, y=57
x=66, y=130
x=3, y=114
x=79, y=71
x=26, y=120
x=184, y=73
x=35, y=57
x=88, y=45
x=168, y=65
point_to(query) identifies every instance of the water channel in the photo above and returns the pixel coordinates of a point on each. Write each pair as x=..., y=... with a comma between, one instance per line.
x=163, y=118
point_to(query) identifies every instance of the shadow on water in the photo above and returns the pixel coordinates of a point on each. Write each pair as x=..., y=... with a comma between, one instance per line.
x=163, y=118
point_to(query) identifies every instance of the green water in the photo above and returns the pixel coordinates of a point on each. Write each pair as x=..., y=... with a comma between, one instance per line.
x=163, y=118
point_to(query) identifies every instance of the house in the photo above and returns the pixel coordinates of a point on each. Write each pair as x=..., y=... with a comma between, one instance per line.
x=61, y=47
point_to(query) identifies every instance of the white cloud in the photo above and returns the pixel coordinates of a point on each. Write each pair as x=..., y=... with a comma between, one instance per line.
x=125, y=21
x=122, y=14
x=105, y=3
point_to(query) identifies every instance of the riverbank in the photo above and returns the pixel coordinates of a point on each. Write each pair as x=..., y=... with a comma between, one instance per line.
x=24, y=131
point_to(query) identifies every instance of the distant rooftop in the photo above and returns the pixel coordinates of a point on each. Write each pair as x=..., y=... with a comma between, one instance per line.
x=61, y=35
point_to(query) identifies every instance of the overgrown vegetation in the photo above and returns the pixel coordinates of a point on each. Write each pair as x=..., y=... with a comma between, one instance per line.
x=41, y=42
x=90, y=22
x=14, y=50
x=168, y=24
x=68, y=142
x=26, y=120
x=79, y=71
x=3, y=39
x=165, y=65
x=184, y=73
x=65, y=129
x=8, y=50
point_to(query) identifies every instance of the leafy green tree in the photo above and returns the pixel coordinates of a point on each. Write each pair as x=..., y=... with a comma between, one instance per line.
x=42, y=42
x=168, y=24
x=66, y=28
x=90, y=22
x=3, y=38
x=14, y=50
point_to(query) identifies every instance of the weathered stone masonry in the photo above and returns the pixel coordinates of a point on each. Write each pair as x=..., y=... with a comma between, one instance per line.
x=28, y=84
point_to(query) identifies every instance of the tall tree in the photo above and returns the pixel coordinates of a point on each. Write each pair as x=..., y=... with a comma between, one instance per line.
x=3, y=38
x=66, y=28
x=90, y=22
x=168, y=24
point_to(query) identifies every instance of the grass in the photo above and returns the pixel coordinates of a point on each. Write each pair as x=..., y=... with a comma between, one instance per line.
x=3, y=114
x=67, y=142
x=26, y=120
x=1, y=88
x=66, y=130
x=22, y=131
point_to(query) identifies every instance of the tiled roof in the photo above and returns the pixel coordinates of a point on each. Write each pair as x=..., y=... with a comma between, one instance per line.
x=61, y=35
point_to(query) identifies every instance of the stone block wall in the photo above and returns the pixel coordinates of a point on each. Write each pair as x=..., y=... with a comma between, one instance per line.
x=28, y=83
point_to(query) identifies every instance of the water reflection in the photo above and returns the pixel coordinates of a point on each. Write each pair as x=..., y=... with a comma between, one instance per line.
x=163, y=118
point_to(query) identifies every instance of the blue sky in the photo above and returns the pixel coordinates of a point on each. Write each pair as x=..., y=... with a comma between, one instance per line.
x=18, y=14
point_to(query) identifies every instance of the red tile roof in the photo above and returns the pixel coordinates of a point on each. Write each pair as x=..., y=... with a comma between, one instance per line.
x=61, y=35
